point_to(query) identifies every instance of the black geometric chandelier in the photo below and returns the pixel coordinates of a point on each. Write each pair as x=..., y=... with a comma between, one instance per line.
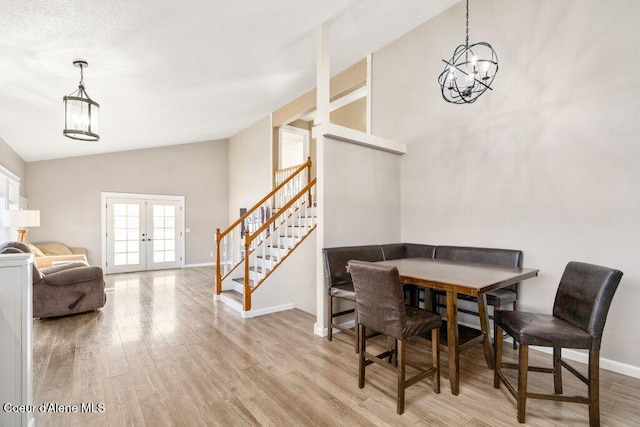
x=81, y=112
x=469, y=72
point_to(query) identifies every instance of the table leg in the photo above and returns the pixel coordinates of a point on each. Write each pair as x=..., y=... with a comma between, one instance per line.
x=452, y=341
x=484, y=326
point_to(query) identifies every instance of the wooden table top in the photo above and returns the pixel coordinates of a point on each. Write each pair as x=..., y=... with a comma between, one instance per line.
x=461, y=277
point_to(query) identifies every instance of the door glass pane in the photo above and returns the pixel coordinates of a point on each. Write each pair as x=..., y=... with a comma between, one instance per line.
x=126, y=224
x=164, y=233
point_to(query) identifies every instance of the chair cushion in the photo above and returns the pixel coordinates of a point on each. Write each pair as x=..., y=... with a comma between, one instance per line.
x=544, y=330
x=420, y=321
x=343, y=291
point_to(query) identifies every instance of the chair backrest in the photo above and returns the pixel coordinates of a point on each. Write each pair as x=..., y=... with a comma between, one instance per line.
x=584, y=297
x=379, y=297
x=20, y=248
x=501, y=257
x=407, y=250
x=336, y=259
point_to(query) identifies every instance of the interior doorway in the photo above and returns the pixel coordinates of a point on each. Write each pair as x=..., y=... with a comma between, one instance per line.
x=142, y=232
x=294, y=146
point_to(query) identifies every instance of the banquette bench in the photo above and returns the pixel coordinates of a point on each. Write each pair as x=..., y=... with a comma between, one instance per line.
x=340, y=285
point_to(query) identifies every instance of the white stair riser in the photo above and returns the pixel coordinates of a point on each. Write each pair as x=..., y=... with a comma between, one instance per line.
x=255, y=276
x=265, y=263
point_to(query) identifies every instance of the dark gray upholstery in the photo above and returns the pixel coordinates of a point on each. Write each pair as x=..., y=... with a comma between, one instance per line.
x=579, y=311
x=579, y=314
x=66, y=289
x=380, y=306
x=338, y=279
x=336, y=260
x=408, y=250
x=380, y=302
x=492, y=256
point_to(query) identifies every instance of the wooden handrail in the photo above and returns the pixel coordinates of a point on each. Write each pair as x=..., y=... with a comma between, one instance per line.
x=265, y=198
x=290, y=167
x=273, y=219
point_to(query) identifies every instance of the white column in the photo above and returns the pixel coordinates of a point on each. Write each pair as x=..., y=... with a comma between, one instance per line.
x=323, y=77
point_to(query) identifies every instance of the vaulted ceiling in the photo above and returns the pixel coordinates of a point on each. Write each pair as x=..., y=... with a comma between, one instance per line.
x=167, y=72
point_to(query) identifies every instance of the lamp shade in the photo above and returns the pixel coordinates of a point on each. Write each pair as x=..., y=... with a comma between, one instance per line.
x=21, y=218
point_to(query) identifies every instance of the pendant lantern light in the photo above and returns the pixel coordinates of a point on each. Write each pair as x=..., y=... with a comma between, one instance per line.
x=81, y=112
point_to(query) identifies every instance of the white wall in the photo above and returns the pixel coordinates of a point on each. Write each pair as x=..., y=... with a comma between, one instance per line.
x=14, y=163
x=547, y=162
x=67, y=192
x=293, y=282
x=249, y=167
x=358, y=203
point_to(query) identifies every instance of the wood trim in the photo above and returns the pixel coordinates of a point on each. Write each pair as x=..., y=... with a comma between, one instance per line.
x=341, y=84
x=264, y=199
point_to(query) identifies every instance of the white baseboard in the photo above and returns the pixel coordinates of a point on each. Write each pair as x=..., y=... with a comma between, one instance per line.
x=320, y=330
x=268, y=310
x=251, y=313
x=204, y=264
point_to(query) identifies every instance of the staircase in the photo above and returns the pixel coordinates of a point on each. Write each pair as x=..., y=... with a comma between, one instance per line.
x=251, y=248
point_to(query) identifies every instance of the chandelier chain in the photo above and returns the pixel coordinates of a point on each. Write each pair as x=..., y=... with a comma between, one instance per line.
x=81, y=76
x=467, y=40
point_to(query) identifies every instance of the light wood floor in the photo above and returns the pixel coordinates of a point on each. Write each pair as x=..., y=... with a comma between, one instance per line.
x=161, y=353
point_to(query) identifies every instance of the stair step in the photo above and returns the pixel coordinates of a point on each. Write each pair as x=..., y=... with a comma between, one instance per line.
x=257, y=269
x=241, y=280
x=269, y=257
x=235, y=295
x=280, y=247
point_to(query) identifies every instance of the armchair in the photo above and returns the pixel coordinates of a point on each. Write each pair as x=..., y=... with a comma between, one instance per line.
x=65, y=289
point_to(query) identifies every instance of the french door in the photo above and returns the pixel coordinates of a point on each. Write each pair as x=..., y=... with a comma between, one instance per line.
x=143, y=233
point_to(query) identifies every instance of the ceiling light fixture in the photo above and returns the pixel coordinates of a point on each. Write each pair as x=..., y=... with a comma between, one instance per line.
x=81, y=112
x=470, y=71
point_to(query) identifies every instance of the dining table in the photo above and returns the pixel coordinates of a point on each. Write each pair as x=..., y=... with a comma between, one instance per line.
x=456, y=277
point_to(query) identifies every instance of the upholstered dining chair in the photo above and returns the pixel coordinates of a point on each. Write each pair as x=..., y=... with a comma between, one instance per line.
x=381, y=307
x=340, y=285
x=579, y=313
x=413, y=293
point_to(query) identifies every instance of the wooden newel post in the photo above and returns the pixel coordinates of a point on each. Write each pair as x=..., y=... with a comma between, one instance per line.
x=309, y=179
x=247, y=286
x=218, y=267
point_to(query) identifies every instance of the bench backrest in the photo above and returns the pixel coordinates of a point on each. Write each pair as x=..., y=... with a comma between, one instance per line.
x=336, y=260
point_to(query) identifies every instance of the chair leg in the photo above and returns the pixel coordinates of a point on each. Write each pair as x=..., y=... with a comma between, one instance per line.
x=401, y=373
x=594, y=388
x=515, y=308
x=557, y=370
x=330, y=317
x=435, y=352
x=355, y=329
x=523, y=363
x=361, y=359
x=497, y=355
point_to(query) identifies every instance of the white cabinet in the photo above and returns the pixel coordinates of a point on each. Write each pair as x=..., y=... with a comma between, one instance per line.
x=16, y=358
